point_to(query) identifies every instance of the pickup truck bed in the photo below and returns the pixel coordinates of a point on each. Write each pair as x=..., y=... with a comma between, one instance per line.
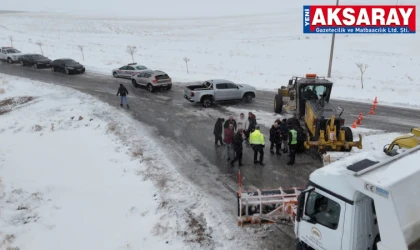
x=194, y=87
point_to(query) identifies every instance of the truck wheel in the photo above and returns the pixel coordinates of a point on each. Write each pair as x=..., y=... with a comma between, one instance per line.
x=9, y=60
x=348, y=136
x=150, y=87
x=247, y=98
x=134, y=83
x=278, y=104
x=207, y=102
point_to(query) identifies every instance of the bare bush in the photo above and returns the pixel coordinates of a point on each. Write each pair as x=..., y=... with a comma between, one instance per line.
x=6, y=105
x=80, y=47
x=37, y=128
x=2, y=91
x=186, y=60
x=362, y=67
x=131, y=50
x=11, y=41
x=112, y=126
x=52, y=126
x=40, y=46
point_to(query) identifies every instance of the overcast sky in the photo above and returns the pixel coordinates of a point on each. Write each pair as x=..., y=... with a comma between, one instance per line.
x=161, y=8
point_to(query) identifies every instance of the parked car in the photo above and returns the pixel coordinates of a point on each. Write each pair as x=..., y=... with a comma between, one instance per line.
x=67, y=65
x=35, y=60
x=218, y=90
x=9, y=54
x=152, y=80
x=128, y=70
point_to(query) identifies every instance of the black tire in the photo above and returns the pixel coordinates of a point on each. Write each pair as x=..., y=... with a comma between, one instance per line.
x=9, y=60
x=22, y=63
x=67, y=71
x=53, y=68
x=115, y=74
x=207, y=101
x=133, y=81
x=169, y=88
x=278, y=104
x=35, y=66
x=348, y=136
x=247, y=98
x=150, y=88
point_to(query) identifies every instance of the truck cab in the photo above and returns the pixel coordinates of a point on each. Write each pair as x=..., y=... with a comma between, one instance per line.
x=362, y=204
x=9, y=54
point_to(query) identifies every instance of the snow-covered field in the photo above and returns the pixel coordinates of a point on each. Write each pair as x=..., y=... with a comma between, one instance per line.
x=263, y=50
x=76, y=173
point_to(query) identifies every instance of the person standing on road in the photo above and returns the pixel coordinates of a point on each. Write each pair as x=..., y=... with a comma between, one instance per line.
x=123, y=92
x=256, y=139
x=229, y=122
x=252, y=122
x=237, y=146
x=218, y=130
x=242, y=122
x=228, y=140
x=284, y=134
x=275, y=138
x=292, y=145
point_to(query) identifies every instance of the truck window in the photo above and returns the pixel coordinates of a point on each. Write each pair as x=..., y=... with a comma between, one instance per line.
x=323, y=210
x=232, y=86
x=221, y=86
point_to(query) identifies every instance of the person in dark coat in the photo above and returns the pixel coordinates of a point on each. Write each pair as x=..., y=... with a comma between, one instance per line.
x=230, y=121
x=237, y=146
x=284, y=130
x=123, y=92
x=218, y=130
x=275, y=138
x=252, y=123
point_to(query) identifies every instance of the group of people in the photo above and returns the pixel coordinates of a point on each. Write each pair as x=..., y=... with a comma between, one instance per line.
x=235, y=132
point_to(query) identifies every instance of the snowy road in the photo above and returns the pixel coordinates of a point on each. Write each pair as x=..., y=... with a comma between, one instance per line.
x=186, y=129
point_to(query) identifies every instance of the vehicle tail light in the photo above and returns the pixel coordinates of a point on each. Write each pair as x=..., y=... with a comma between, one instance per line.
x=155, y=81
x=192, y=94
x=342, y=122
x=315, y=120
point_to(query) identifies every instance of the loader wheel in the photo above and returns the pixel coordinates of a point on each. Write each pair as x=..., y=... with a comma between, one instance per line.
x=348, y=136
x=278, y=104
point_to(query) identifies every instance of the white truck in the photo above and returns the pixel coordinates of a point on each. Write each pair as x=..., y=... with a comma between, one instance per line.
x=10, y=54
x=349, y=205
x=219, y=90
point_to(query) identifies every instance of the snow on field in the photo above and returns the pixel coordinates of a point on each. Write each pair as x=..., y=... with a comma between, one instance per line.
x=263, y=50
x=76, y=173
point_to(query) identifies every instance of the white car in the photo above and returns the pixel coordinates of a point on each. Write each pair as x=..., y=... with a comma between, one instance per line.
x=128, y=70
x=10, y=54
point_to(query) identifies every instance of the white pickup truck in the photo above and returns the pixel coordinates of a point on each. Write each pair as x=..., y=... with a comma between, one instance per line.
x=218, y=90
x=9, y=54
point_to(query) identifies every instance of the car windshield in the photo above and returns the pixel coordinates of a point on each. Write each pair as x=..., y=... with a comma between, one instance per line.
x=12, y=51
x=69, y=61
x=140, y=67
x=38, y=57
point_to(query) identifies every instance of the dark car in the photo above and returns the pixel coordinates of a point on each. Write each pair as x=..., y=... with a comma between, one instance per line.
x=67, y=65
x=35, y=60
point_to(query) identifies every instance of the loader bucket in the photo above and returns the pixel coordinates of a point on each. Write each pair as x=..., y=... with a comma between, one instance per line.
x=333, y=145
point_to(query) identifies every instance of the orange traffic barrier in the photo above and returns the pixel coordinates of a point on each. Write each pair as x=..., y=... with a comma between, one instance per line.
x=361, y=116
x=359, y=121
x=372, y=111
x=354, y=124
x=376, y=100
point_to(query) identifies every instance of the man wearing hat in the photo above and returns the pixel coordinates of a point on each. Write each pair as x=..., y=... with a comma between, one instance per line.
x=123, y=92
x=256, y=140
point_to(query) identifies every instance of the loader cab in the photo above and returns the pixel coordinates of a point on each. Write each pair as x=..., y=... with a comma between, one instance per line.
x=312, y=88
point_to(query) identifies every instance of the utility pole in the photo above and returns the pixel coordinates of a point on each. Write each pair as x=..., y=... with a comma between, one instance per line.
x=331, y=51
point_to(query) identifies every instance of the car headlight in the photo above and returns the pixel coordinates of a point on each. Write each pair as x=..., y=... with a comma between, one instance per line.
x=69, y=68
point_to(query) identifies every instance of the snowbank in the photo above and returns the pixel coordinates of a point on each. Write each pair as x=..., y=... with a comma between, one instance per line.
x=246, y=47
x=76, y=173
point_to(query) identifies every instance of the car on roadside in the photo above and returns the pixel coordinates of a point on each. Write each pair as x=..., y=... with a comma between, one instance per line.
x=128, y=70
x=35, y=60
x=67, y=65
x=9, y=54
x=219, y=90
x=152, y=80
